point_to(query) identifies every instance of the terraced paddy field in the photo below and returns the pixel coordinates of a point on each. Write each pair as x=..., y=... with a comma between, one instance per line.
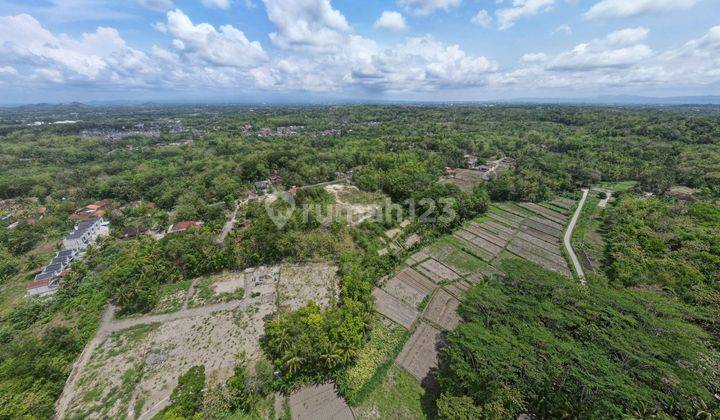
x=424, y=296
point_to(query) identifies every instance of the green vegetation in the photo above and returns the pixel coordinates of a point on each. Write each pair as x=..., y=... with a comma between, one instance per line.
x=660, y=250
x=399, y=396
x=374, y=359
x=187, y=397
x=603, y=352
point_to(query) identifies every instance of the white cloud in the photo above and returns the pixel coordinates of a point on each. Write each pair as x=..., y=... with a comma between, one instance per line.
x=101, y=55
x=7, y=70
x=563, y=29
x=309, y=24
x=220, y=4
x=392, y=21
x=426, y=7
x=157, y=5
x=227, y=46
x=483, y=19
x=628, y=8
x=508, y=16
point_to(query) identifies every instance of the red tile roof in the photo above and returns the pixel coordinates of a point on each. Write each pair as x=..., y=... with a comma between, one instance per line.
x=184, y=225
x=38, y=283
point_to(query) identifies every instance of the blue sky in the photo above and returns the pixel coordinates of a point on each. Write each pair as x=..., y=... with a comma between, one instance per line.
x=251, y=50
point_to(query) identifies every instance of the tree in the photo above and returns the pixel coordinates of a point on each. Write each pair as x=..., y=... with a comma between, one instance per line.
x=187, y=397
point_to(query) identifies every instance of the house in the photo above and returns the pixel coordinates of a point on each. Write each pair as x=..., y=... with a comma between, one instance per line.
x=261, y=186
x=96, y=209
x=43, y=287
x=252, y=196
x=183, y=226
x=86, y=233
x=133, y=232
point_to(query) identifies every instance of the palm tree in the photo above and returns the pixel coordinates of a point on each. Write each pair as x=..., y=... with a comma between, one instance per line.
x=293, y=364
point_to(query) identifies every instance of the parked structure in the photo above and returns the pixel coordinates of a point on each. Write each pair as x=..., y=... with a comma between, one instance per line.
x=47, y=281
x=183, y=226
x=96, y=209
x=86, y=233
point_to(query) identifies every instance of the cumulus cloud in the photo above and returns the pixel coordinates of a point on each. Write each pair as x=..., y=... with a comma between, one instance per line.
x=101, y=55
x=426, y=7
x=508, y=16
x=628, y=8
x=392, y=21
x=483, y=19
x=308, y=24
x=220, y=4
x=227, y=46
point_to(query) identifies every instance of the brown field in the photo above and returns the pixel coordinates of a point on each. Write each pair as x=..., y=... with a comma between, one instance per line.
x=474, y=249
x=553, y=248
x=442, y=310
x=548, y=222
x=543, y=228
x=409, y=286
x=565, y=203
x=394, y=309
x=542, y=235
x=457, y=289
x=498, y=229
x=319, y=402
x=420, y=354
x=498, y=218
x=437, y=272
x=417, y=257
x=547, y=213
x=480, y=231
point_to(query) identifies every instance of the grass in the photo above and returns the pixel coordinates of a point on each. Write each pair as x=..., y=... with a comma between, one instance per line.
x=376, y=356
x=399, y=397
x=205, y=293
x=172, y=297
x=622, y=186
x=587, y=239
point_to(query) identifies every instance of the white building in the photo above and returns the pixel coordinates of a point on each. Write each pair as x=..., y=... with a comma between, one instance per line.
x=86, y=233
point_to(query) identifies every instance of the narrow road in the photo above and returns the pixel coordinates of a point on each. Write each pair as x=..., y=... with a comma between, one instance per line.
x=230, y=224
x=68, y=393
x=568, y=237
x=182, y=314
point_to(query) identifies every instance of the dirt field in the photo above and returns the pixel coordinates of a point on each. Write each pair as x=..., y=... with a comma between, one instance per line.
x=346, y=200
x=394, y=309
x=436, y=272
x=409, y=286
x=420, y=354
x=134, y=370
x=319, y=402
x=442, y=310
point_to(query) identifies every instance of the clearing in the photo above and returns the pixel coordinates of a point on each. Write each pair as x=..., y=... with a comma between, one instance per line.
x=133, y=370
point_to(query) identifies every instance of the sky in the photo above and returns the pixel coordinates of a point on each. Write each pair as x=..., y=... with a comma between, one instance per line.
x=334, y=50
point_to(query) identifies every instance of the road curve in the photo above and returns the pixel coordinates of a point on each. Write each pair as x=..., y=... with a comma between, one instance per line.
x=568, y=237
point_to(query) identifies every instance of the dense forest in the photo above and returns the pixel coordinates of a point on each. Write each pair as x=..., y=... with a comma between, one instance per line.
x=641, y=340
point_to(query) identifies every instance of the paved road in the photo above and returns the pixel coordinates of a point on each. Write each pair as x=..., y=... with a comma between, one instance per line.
x=568, y=237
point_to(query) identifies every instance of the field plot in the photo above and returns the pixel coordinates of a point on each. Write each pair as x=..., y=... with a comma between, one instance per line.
x=420, y=354
x=442, y=310
x=409, y=286
x=301, y=283
x=545, y=212
x=487, y=246
x=465, y=179
x=319, y=402
x=417, y=257
x=437, y=272
x=136, y=368
x=504, y=220
x=565, y=203
x=457, y=289
x=394, y=309
x=481, y=231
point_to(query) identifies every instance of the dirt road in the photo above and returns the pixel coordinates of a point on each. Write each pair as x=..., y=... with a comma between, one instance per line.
x=568, y=237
